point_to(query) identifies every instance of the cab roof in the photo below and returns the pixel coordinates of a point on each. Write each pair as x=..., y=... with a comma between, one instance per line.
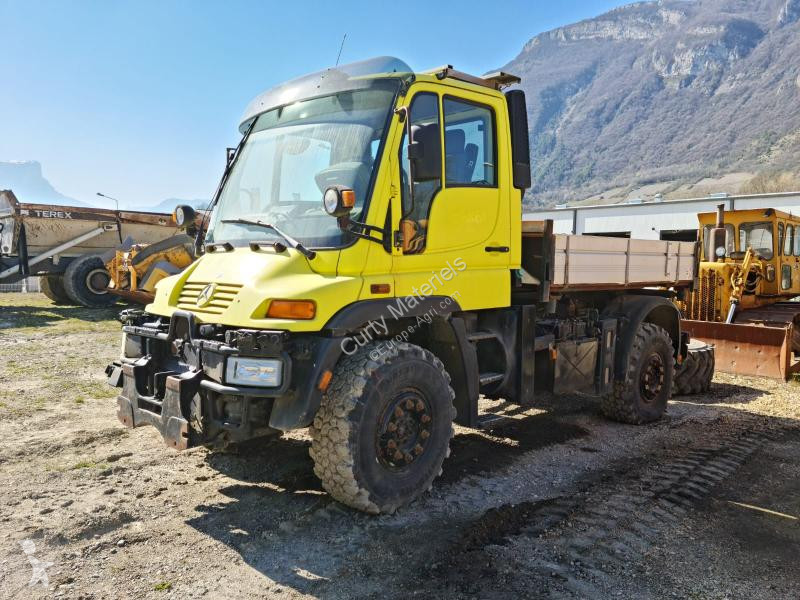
x=751, y=214
x=360, y=75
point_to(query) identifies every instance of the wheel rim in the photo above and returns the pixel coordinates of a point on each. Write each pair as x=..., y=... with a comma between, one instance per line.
x=651, y=380
x=404, y=430
x=97, y=281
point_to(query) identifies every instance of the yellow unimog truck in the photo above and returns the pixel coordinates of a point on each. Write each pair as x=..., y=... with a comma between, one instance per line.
x=749, y=271
x=365, y=273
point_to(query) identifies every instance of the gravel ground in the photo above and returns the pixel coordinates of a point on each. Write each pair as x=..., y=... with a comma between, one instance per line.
x=559, y=503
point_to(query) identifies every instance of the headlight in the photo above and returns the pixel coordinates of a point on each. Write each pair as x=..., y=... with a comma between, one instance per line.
x=260, y=372
x=183, y=215
x=338, y=200
x=720, y=252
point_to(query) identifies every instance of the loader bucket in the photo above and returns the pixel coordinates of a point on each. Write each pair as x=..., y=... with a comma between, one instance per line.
x=748, y=349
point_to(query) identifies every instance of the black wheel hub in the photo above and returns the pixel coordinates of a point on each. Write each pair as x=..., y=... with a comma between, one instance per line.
x=651, y=380
x=403, y=430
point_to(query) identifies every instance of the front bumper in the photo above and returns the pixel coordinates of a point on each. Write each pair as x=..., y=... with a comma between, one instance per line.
x=177, y=384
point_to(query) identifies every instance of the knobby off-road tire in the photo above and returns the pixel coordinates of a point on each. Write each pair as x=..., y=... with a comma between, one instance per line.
x=642, y=397
x=52, y=286
x=85, y=281
x=384, y=427
x=695, y=374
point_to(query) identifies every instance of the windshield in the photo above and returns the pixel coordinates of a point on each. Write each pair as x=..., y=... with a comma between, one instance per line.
x=757, y=236
x=293, y=154
x=729, y=241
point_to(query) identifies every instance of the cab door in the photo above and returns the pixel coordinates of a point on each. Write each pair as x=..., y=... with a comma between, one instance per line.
x=453, y=237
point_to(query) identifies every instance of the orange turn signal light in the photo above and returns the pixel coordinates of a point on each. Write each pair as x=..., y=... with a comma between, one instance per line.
x=325, y=380
x=348, y=198
x=292, y=309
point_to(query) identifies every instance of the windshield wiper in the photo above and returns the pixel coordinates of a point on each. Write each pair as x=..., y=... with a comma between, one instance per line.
x=293, y=243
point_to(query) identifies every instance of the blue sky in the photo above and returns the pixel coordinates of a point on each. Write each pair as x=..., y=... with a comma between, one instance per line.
x=139, y=99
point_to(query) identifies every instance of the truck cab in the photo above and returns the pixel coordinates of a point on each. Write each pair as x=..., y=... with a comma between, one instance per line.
x=362, y=275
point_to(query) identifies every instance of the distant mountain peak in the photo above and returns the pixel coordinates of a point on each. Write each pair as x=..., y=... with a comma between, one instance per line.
x=26, y=180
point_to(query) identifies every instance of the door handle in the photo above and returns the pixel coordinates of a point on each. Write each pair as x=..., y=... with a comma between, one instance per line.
x=496, y=248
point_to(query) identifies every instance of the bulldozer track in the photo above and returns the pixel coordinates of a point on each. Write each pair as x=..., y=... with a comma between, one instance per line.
x=616, y=532
x=579, y=540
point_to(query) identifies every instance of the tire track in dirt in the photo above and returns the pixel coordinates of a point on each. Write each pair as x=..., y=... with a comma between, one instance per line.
x=577, y=546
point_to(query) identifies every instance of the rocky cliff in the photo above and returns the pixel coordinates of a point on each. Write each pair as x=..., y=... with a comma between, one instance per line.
x=26, y=180
x=662, y=91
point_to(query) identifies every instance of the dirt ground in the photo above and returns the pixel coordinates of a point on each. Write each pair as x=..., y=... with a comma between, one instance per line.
x=558, y=504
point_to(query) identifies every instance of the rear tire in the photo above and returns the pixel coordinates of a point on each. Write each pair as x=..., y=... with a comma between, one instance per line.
x=52, y=286
x=643, y=396
x=85, y=282
x=695, y=374
x=384, y=426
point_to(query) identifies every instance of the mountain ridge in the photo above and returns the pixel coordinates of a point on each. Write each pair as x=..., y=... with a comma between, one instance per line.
x=26, y=179
x=647, y=93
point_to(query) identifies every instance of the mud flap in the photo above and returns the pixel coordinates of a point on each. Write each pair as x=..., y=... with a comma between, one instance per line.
x=748, y=349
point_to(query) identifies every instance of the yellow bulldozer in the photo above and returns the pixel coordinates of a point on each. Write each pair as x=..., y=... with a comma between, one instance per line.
x=748, y=277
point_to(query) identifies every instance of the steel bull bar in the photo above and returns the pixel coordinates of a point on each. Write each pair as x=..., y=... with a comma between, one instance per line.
x=761, y=350
x=172, y=413
x=171, y=394
x=169, y=414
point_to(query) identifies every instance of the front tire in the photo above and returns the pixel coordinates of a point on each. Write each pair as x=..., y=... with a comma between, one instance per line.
x=384, y=427
x=85, y=282
x=642, y=397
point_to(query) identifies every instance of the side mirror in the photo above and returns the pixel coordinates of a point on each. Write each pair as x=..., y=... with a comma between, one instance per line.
x=184, y=216
x=338, y=200
x=425, y=152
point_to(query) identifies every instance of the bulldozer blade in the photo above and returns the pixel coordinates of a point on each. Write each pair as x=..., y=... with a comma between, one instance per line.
x=748, y=349
x=135, y=296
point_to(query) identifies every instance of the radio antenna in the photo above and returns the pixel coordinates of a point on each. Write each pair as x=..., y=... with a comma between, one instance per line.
x=338, y=56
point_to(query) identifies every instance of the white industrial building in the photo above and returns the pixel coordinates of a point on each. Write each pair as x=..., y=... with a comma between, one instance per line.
x=667, y=220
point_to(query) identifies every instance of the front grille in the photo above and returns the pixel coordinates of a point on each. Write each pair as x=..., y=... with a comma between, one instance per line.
x=222, y=297
x=703, y=301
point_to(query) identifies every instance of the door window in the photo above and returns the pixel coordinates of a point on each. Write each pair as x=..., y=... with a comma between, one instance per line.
x=781, y=238
x=796, y=240
x=729, y=241
x=414, y=223
x=757, y=236
x=469, y=144
x=787, y=242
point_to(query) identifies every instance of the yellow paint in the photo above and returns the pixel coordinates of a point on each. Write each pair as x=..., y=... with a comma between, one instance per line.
x=719, y=279
x=126, y=275
x=763, y=510
x=463, y=221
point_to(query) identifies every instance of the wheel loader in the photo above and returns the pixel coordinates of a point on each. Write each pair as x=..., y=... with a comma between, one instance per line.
x=366, y=274
x=135, y=269
x=748, y=277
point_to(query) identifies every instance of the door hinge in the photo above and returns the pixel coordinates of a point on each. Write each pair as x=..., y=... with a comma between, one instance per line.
x=397, y=238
